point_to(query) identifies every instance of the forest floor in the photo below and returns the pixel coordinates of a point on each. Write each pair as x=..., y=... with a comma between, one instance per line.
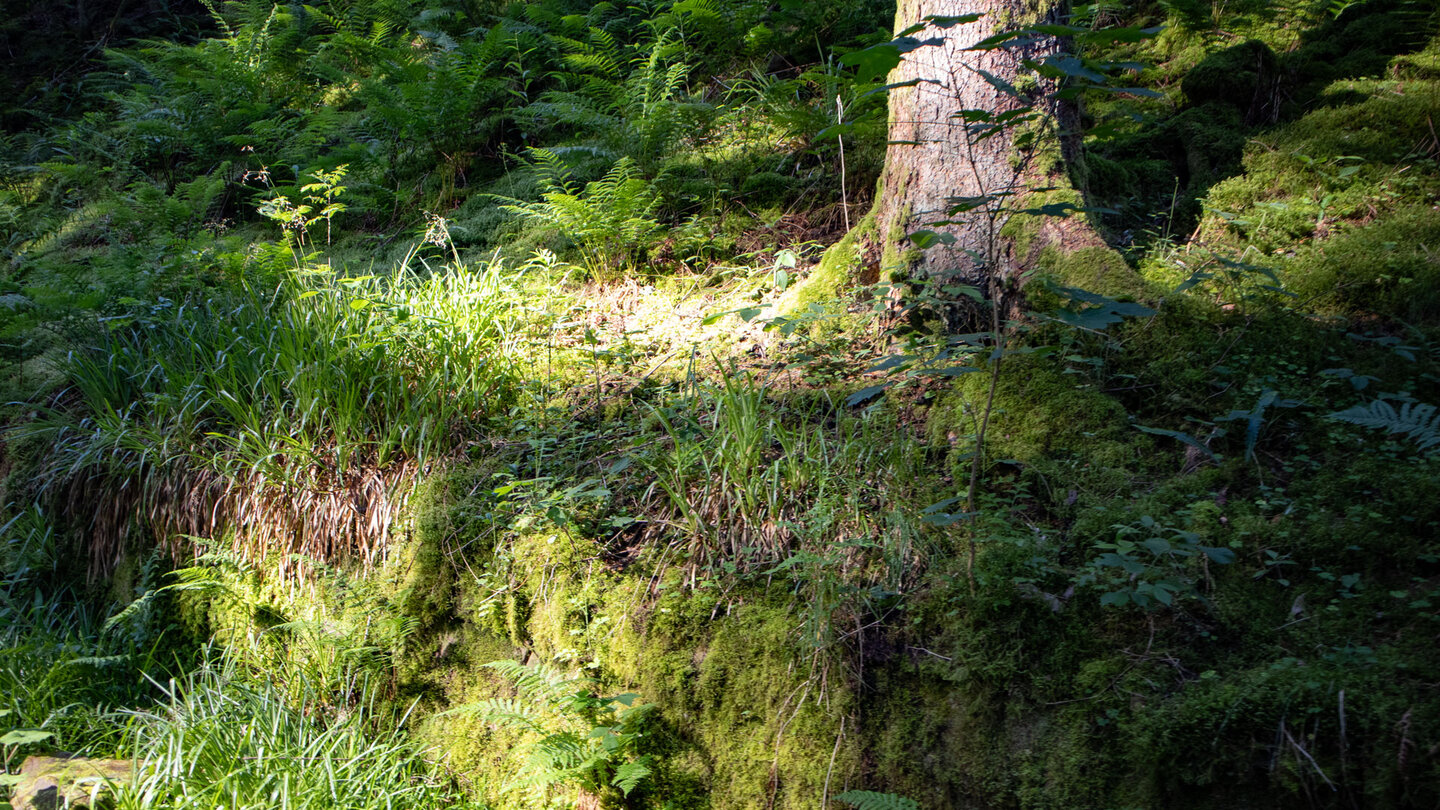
x=417, y=404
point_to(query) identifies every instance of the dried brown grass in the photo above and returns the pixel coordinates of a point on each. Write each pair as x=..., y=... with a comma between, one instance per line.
x=331, y=517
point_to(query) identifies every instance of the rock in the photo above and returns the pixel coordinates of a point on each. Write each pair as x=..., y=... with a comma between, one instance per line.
x=47, y=783
x=1244, y=76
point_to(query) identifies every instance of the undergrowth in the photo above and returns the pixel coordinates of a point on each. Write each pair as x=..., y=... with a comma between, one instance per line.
x=562, y=384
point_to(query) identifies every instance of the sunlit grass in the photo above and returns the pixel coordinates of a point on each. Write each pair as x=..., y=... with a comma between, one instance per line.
x=226, y=740
x=303, y=412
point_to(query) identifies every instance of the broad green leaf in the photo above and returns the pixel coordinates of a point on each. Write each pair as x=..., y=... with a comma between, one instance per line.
x=939, y=21
x=946, y=371
x=1065, y=66
x=26, y=736
x=924, y=239
x=1183, y=437
x=952, y=21
x=998, y=83
x=878, y=60
x=834, y=131
x=885, y=88
x=1157, y=545
x=1220, y=556
x=1064, y=209
x=960, y=205
x=942, y=505
x=865, y=395
x=893, y=361
x=943, y=519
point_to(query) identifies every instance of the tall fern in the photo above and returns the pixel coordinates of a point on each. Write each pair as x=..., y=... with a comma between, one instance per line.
x=626, y=98
x=612, y=219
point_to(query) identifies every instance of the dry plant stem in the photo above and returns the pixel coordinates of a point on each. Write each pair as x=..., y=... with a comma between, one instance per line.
x=996, y=338
x=779, y=736
x=844, y=198
x=977, y=460
x=825, y=792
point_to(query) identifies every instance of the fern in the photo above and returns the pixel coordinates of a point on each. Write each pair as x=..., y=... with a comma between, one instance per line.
x=1417, y=421
x=629, y=775
x=577, y=738
x=869, y=800
x=537, y=683
x=611, y=220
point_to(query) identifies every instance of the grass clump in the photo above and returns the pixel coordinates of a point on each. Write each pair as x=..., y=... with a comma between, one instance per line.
x=302, y=413
x=223, y=739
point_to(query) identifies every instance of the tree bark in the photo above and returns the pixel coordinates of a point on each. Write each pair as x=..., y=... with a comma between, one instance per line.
x=935, y=158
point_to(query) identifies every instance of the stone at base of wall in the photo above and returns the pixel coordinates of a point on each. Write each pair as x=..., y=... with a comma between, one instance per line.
x=47, y=783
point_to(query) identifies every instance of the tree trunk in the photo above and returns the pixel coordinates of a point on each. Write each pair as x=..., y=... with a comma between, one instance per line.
x=936, y=159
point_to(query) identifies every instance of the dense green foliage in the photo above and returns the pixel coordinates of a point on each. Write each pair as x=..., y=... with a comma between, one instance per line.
x=428, y=404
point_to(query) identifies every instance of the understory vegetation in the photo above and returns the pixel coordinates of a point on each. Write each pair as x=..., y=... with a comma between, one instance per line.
x=441, y=404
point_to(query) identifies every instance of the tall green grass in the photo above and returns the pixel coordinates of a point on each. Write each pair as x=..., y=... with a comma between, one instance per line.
x=63, y=665
x=281, y=718
x=302, y=413
x=223, y=739
x=753, y=478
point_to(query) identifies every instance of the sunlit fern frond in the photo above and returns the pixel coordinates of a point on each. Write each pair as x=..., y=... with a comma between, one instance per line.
x=536, y=683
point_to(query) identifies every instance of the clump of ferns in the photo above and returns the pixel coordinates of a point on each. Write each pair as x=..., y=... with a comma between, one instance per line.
x=580, y=749
x=611, y=220
x=334, y=628
x=625, y=98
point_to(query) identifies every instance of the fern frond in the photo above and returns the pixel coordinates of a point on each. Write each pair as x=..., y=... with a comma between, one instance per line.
x=592, y=62
x=869, y=800
x=503, y=712
x=561, y=751
x=599, y=12
x=1417, y=421
x=131, y=611
x=536, y=782
x=629, y=775
x=606, y=45
x=553, y=173
x=536, y=682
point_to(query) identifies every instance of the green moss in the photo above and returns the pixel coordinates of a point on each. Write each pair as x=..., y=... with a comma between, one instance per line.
x=1044, y=420
x=1097, y=269
x=1390, y=267
x=819, y=297
x=823, y=284
x=1422, y=65
x=1234, y=76
x=1023, y=229
x=1349, y=161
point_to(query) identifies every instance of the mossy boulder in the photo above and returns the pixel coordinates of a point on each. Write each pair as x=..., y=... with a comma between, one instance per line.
x=1388, y=268
x=1241, y=76
x=52, y=782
